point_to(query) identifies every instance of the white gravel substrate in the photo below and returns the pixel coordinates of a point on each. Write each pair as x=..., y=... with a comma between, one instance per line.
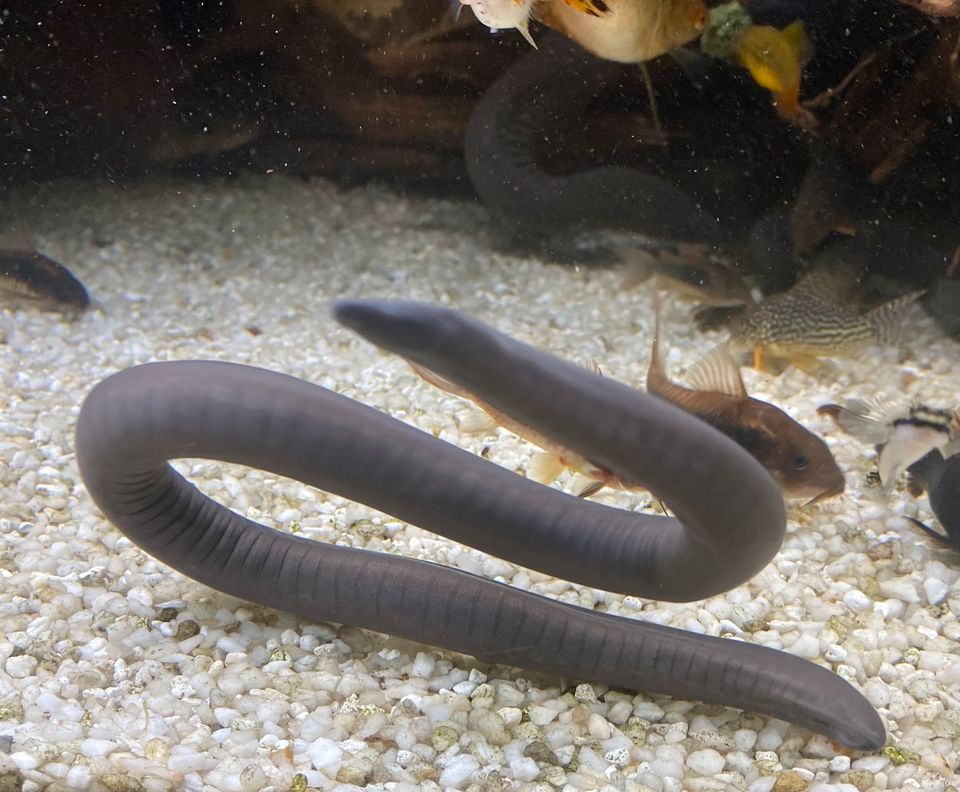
x=118, y=674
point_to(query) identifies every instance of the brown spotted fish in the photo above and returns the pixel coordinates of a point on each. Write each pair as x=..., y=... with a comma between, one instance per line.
x=814, y=319
x=26, y=273
x=798, y=460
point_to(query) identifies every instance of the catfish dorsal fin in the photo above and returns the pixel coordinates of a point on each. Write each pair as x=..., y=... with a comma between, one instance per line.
x=855, y=419
x=796, y=35
x=656, y=373
x=717, y=372
x=638, y=265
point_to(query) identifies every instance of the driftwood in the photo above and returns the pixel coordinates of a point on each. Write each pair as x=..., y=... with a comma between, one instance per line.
x=895, y=109
x=360, y=89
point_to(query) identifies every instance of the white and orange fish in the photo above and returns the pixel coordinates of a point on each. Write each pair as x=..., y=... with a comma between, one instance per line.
x=629, y=31
x=504, y=15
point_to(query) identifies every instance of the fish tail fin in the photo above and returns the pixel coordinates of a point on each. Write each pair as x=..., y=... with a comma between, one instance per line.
x=544, y=467
x=886, y=321
x=796, y=35
x=476, y=421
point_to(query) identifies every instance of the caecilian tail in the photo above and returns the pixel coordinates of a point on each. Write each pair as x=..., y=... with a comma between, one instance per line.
x=886, y=321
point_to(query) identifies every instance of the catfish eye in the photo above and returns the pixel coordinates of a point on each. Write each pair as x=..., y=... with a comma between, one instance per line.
x=700, y=277
x=800, y=462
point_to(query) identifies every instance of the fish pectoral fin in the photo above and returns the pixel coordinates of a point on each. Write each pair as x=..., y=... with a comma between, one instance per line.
x=438, y=381
x=524, y=28
x=796, y=36
x=476, y=421
x=544, y=468
x=883, y=408
x=594, y=367
x=589, y=489
x=809, y=364
x=939, y=538
x=858, y=424
x=717, y=371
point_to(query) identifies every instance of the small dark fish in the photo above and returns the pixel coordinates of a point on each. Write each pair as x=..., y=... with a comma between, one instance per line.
x=827, y=201
x=901, y=437
x=941, y=479
x=695, y=271
x=27, y=273
x=943, y=302
x=799, y=461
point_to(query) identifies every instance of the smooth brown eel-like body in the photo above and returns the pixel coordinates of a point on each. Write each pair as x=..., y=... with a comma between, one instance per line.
x=729, y=523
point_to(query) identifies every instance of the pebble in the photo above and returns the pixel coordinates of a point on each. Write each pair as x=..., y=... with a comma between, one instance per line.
x=523, y=769
x=744, y=739
x=769, y=738
x=839, y=764
x=510, y=716
x=935, y=590
x=706, y=762
x=598, y=727
x=457, y=771
x=872, y=764
x=25, y=761
x=131, y=669
x=857, y=601
x=79, y=777
x=541, y=716
x=92, y=748
x=21, y=666
x=805, y=646
x=324, y=753
x=585, y=694
x=492, y=727
x=620, y=712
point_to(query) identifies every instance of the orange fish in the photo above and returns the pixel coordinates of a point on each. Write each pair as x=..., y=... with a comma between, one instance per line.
x=627, y=31
x=775, y=60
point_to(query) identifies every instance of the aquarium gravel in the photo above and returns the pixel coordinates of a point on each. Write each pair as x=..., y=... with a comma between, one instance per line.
x=117, y=673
